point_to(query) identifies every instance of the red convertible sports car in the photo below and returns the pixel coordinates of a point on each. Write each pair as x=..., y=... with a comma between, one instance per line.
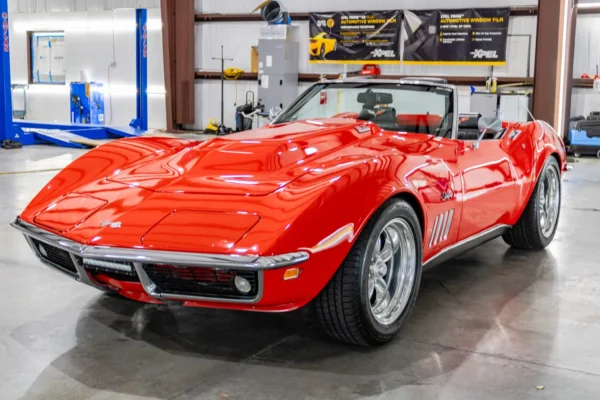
x=341, y=202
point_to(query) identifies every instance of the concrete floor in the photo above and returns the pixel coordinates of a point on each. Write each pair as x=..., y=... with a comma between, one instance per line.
x=493, y=324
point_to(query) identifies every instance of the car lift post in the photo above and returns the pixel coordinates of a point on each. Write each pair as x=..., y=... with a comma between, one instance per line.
x=7, y=130
x=141, y=120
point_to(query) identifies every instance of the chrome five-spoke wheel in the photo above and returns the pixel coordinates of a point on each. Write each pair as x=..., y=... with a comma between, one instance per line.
x=392, y=271
x=537, y=225
x=370, y=298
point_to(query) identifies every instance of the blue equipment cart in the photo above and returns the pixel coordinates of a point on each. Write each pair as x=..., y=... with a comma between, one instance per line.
x=585, y=138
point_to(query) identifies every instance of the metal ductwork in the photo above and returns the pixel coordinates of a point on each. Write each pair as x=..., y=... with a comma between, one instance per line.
x=274, y=13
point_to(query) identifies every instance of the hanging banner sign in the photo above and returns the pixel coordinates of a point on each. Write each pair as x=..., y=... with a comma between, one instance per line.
x=357, y=37
x=456, y=37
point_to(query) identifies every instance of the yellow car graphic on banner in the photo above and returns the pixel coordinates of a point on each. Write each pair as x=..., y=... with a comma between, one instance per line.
x=322, y=44
x=355, y=37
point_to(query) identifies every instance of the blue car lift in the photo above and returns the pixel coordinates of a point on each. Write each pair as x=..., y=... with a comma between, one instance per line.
x=70, y=135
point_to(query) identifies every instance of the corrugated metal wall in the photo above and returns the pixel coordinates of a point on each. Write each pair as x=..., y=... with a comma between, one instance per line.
x=242, y=6
x=41, y=6
x=238, y=38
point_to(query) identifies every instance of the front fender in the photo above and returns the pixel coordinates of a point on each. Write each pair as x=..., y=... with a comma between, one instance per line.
x=340, y=200
x=545, y=142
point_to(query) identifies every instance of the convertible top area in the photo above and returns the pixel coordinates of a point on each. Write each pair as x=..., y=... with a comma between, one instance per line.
x=411, y=105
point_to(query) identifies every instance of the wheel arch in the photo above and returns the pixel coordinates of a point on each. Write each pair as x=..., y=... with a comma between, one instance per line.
x=414, y=202
x=538, y=171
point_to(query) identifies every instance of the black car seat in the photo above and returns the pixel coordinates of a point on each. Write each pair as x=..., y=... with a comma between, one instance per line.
x=469, y=128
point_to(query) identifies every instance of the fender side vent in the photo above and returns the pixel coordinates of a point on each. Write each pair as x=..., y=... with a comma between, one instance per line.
x=441, y=228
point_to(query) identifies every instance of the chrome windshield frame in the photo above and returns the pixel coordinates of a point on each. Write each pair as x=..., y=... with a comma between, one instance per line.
x=425, y=81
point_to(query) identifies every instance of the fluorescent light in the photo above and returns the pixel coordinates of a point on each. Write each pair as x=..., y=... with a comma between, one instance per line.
x=588, y=5
x=84, y=25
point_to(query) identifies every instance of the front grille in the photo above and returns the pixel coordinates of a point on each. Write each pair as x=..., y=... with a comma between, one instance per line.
x=55, y=255
x=201, y=281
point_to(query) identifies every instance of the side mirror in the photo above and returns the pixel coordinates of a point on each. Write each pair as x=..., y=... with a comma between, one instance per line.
x=487, y=125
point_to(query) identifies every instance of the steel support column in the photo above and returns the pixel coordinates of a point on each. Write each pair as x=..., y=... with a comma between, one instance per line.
x=178, y=55
x=553, y=74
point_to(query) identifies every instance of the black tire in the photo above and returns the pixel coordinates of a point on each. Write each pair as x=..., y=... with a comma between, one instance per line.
x=527, y=233
x=343, y=307
x=322, y=52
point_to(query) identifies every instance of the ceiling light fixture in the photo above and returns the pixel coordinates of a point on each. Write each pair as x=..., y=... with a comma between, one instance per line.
x=588, y=5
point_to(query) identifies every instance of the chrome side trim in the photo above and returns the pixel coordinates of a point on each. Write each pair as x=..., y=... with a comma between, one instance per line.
x=466, y=244
x=441, y=227
x=448, y=225
x=419, y=79
x=344, y=234
x=435, y=223
x=248, y=262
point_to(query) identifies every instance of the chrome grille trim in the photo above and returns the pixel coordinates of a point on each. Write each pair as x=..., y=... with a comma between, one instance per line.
x=140, y=257
x=144, y=256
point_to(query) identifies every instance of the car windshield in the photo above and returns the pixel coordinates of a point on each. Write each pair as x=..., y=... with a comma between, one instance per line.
x=399, y=107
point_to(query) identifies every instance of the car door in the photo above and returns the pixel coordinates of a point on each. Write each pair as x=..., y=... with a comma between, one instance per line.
x=439, y=182
x=490, y=186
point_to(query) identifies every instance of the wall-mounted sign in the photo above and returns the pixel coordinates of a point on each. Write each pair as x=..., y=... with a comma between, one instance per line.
x=358, y=37
x=456, y=37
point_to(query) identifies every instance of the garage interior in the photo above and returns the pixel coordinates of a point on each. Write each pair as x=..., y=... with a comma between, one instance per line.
x=494, y=323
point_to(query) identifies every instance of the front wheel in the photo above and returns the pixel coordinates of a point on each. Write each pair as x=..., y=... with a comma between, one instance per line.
x=537, y=226
x=370, y=297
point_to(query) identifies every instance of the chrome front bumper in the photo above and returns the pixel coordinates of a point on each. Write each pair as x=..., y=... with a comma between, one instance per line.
x=139, y=257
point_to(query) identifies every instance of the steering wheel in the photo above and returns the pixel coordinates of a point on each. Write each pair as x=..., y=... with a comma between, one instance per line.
x=384, y=113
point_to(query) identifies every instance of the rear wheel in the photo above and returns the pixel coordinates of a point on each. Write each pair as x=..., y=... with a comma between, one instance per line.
x=372, y=294
x=537, y=226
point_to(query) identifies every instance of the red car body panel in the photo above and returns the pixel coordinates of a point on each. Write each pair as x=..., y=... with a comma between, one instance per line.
x=285, y=188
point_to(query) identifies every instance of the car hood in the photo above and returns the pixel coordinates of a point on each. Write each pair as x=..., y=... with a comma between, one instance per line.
x=127, y=193
x=249, y=163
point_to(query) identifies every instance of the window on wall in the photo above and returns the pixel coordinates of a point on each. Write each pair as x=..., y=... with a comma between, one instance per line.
x=47, y=57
